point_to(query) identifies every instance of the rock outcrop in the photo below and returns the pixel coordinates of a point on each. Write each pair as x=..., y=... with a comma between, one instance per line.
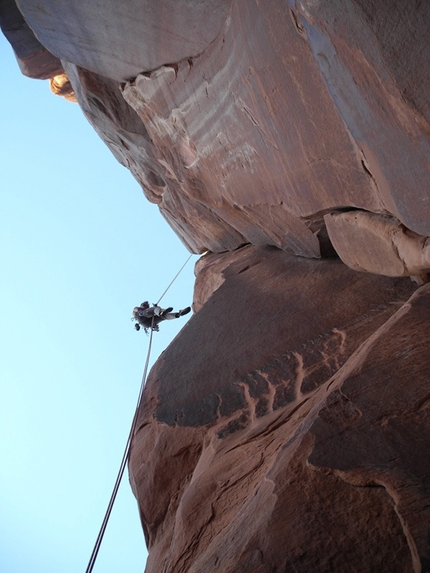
x=260, y=119
x=386, y=247
x=290, y=420
x=60, y=85
x=34, y=60
x=286, y=428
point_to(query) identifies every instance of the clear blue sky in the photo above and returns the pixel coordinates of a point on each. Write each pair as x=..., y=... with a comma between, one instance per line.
x=79, y=247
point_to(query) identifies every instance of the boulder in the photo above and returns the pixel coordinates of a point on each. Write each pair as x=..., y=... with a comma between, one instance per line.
x=378, y=244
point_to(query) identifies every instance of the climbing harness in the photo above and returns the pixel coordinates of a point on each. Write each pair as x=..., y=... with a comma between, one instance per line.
x=126, y=453
x=149, y=317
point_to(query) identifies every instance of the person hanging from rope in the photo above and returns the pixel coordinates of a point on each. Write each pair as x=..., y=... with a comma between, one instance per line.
x=140, y=316
x=150, y=316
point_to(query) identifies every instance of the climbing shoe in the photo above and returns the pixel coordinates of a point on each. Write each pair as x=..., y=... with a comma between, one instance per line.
x=183, y=311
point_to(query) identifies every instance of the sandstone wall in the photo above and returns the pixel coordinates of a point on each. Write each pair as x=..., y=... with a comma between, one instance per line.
x=260, y=118
x=290, y=425
x=286, y=428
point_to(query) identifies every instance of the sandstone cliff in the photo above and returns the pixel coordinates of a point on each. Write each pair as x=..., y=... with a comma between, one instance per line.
x=287, y=427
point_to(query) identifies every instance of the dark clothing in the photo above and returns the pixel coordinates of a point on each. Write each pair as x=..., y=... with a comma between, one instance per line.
x=151, y=316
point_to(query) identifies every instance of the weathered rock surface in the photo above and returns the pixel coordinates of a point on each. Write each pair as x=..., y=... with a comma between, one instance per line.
x=286, y=428
x=60, y=85
x=119, y=40
x=378, y=244
x=34, y=60
x=262, y=117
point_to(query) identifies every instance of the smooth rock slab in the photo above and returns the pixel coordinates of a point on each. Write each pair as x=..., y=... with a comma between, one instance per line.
x=119, y=40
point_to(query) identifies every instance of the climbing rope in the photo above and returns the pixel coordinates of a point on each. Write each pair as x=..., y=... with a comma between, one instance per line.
x=126, y=453
x=174, y=278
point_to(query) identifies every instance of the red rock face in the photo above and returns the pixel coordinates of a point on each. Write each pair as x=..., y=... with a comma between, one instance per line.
x=286, y=428
x=385, y=246
x=290, y=422
x=263, y=117
x=34, y=60
x=122, y=39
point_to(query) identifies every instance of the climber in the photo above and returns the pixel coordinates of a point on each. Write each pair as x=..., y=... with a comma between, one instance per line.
x=150, y=316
